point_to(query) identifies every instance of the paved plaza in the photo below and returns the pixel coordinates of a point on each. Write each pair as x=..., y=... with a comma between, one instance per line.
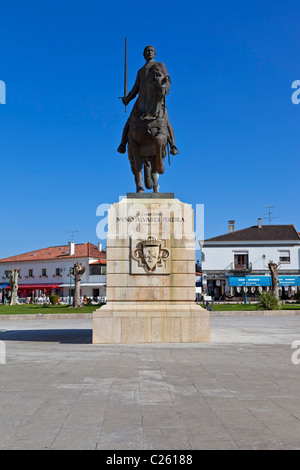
x=240, y=391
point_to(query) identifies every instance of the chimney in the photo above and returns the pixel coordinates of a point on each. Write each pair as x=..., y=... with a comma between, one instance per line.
x=71, y=248
x=231, y=226
x=259, y=223
x=100, y=246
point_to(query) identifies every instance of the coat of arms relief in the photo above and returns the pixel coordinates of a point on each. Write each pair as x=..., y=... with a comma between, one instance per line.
x=150, y=256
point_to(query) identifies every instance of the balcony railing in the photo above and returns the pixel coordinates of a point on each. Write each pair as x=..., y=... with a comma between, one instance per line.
x=241, y=267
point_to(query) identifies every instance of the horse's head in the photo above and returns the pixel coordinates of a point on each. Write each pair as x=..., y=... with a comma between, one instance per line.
x=157, y=77
x=157, y=89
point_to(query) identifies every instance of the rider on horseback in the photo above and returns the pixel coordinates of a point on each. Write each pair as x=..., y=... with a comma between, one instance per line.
x=140, y=88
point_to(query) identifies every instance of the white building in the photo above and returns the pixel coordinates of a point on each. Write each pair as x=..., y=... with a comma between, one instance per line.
x=242, y=256
x=47, y=271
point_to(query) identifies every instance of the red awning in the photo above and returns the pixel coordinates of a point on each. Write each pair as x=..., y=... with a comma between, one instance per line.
x=35, y=286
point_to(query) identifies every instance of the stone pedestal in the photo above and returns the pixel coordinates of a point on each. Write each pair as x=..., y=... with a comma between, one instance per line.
x=150, y=274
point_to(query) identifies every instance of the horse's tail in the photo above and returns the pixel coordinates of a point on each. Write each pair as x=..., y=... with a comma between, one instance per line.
x=148, y=175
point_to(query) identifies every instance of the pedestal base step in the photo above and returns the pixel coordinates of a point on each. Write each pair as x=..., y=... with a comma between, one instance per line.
x=157, y=322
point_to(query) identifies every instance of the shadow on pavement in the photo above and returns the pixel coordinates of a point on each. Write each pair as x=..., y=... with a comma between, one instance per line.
x=76, y=336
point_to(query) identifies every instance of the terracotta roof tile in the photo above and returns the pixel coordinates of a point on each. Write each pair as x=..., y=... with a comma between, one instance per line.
x=82, y=250
x=99, y=261
x=265, y=233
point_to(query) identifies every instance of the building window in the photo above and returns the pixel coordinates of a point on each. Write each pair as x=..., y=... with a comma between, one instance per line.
x=44, y=272
x=284, y=256
x=30, y=272
x=241, y=260
x=57, y=272
x=97, y=269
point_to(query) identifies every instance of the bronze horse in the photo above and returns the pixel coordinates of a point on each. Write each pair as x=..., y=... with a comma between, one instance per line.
x=148, y=133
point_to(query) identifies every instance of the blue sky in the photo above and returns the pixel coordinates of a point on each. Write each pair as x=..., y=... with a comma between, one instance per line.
x=232, y=65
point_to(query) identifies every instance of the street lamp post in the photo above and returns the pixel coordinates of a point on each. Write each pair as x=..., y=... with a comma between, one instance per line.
x=4, y=298
x=245, y=267
x=71, y=272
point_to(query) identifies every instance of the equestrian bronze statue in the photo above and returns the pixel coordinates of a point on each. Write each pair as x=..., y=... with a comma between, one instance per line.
x=148, y=132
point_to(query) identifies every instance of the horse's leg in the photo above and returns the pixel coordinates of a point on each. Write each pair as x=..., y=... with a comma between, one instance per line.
x=155, y=176
x=139, y=181
x=131, y=159
x=147, y=174
x=160, y=142
x=137, y=167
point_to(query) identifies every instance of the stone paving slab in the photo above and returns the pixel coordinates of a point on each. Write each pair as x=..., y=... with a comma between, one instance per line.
x=240, y=391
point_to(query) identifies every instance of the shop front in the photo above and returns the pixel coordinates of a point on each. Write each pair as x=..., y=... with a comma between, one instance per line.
x=31, y=292
x=3, y=292
x=253, y=285
x=214, y=286
x=95, y=291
